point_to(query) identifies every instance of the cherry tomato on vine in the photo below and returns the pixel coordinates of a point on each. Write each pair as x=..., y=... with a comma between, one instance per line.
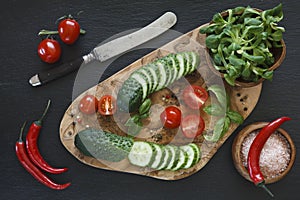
x=171, y=117
x=192, y=126
x=88, y=104
x=49, y=50
x=68, y=30
x=194, y=96
x=107, y=105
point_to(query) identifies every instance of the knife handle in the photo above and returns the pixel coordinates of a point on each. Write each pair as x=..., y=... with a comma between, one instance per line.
x=56, y=72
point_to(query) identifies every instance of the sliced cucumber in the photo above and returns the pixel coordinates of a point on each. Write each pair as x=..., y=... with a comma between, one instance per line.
x=157, y=157
x=174, y=157
x=140, y=154
x=173, y=66
x=195, y=60
x=162, y=72
x=148, y=76
x=141, y=79
x=154, y=70
x=181, y=65
x=197, y=151
x=182, y=159
x=192, y=156
x=165, y=158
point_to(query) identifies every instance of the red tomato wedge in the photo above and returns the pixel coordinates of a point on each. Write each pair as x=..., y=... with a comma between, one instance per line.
x=194, y=96
x=107, y=105
x=171, y=117
x=88, y=104
x=192, y=126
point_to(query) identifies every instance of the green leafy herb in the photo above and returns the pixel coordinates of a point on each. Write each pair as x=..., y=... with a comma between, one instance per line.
x=223, y=111
x=134, y=123
x=240, y=43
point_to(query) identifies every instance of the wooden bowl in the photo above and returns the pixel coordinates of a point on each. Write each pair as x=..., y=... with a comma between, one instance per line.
x=278, y=53
x=237, y=153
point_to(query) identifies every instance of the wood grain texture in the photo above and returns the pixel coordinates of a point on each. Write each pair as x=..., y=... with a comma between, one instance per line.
x=243, y=100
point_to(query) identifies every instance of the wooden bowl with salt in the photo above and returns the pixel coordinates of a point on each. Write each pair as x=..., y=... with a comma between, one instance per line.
x=277, y=156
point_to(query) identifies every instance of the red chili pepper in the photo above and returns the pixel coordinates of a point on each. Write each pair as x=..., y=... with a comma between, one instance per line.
x=255, y=151
x=32, y=146
x=31, y=168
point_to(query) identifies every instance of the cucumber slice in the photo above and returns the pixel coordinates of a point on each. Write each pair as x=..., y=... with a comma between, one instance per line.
x=140, y=154
x=197, y=151
x=153, y=69
x=181, y=64
x=189, y=62
x=148, y=76
x=195, y=60
x=165, y=158
x=162, y=73
x=143, y=82
x=173, y=66
x=157, y=157
x=192, y=156
x=174, y=157
x=181, y=160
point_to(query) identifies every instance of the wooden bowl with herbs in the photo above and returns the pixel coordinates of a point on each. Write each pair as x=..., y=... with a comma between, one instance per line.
x=244, y=45
x=277, y=156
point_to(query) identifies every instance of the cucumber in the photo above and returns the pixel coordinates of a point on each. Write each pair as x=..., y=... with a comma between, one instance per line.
x=191, y=154
x=181, y=160
x=103, y=145
x=157, y=157
x=165, y=159
x=142, y=80
x=151, y=69
x=141, y=154
x=161, y=73
x=197, y=151
x=174, y=157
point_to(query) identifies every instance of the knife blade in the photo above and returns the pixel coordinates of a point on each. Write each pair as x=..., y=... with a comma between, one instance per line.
x=109, y=50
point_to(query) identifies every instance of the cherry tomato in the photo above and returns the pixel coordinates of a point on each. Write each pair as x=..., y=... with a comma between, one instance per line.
x=171, y=117
x=88, y=104
x=69, y=30
x=49, y=50
x=194, y=96
x=192, y=126
x=107, y=105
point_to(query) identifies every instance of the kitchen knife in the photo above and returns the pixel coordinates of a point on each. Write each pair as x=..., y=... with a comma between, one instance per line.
x=109, y=49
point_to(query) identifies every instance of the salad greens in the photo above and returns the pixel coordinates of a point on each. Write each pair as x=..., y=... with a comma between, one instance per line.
x=240, y=43
x=223, y=111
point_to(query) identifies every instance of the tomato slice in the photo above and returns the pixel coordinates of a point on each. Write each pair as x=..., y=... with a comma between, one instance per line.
x=194, y=96
x=171, y=117
x=192, y=126
x=88, y=104
x=107, y=105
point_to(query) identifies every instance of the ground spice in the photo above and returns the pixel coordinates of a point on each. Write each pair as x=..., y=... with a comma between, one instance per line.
x=275, y=155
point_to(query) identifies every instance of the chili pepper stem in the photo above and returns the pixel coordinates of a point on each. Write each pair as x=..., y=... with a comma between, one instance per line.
x=263, y=186
x=21, y=132
x=45, y=112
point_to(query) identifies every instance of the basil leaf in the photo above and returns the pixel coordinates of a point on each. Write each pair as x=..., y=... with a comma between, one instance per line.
x=235, y=117
x=217, y=132
x=268, y=75
x=220, y=93
x=214, y=110
x=145, y=107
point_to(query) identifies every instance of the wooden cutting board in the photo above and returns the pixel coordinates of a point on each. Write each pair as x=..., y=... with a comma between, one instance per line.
x=243, y=100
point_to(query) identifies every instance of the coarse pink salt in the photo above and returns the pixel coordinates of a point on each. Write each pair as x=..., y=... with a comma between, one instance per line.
x=275, y=155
